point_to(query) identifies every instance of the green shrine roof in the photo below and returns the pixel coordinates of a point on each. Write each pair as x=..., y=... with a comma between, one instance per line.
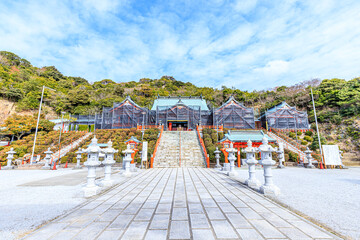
x=244, y=136
x=188, y=101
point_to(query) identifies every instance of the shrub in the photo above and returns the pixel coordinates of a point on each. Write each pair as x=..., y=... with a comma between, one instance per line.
x=308, y=138
x=309, y=133
x=299, y=133
x=303, y=142
x=292, y=135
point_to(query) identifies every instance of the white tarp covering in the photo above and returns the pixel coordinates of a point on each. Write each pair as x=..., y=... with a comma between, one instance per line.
x=144, y=152
x=332, y=155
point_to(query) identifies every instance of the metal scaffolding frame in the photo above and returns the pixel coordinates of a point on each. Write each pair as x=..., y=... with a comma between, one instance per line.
x=233, y=114
x=283, y=116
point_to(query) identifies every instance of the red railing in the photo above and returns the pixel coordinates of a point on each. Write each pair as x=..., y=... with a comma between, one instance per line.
x=156, y=146
x=140, y=127
x=203, y=147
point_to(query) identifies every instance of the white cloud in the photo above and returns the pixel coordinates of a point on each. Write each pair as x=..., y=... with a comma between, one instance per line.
x=247, y=44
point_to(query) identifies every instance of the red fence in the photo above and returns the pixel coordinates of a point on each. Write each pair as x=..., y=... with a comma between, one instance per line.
x=156, y=146
x=203, y=147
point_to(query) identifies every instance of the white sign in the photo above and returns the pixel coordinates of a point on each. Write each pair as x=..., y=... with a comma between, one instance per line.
x=144, y=152
x=332, y=155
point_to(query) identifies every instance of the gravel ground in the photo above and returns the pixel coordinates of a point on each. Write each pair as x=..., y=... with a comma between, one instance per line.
x=332, y=196
x=23, y=208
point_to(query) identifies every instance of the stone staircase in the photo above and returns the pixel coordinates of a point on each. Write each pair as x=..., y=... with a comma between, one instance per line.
x=289, y=146
x=179, y=149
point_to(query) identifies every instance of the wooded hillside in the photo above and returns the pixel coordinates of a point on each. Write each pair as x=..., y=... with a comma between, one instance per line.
x=337, y=100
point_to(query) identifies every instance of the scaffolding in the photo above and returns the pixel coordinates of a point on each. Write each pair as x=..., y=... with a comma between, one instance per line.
x=283, y=116
x=233, y=114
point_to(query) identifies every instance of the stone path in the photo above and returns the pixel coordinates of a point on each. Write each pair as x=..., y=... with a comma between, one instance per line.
x=180, y=203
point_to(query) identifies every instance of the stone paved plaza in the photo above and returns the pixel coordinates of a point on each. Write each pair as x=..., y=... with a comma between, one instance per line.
x=180, y=203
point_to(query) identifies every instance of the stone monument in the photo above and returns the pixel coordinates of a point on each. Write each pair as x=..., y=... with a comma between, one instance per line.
x=280, y=153
x=92, y=163
x=47, y=159
x=251, y=162
x=268, y=188
x=9, y=158
x=232, y=159
x=217, y=157
x=78, y=158
x=309, y=158
x=108, y=162
x=127, y=159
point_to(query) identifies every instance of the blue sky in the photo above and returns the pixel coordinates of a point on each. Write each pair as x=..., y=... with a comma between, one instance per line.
x=247, y=44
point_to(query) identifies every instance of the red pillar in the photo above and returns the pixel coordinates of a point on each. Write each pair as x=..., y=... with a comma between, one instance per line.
x=239, y=157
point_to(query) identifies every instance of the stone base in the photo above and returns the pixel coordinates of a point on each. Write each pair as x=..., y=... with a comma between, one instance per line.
x=280, y=166
x=218, y=166
x=75, y=168
x=310, y=166
x=300, y=165
x=7, y=168
x=226, y=167
x=133, y=168
x=126, y=174
x=253, y=183
x=91, y=191
x=107, y=183
x=270, y=190
x=46, y=168
x=232, y=174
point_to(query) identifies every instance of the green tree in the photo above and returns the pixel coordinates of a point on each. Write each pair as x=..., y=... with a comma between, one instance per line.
x=18, y=125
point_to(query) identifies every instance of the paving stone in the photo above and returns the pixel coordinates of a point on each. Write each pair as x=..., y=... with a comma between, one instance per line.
x=91, y=231
x=222, y=229
x=266, y=229
x=65, y=234
x=108, y=216
x=238, y=221
x=120, y=205
x=249, y=213
x=156, y=235
x=110, y=234
x=179, y=214
x=136, y=230
x=47, y=231
x=121, y=222
x=275, y=220
x=195, y=208
x=227, y=207
x=309, y=229
x=202, y=234
x=294, y=233
x=144, y=214
x=179, y=230
x=132, y=208
x=160, y=221
x=249, y=234
x=164, y=208
x=150, y=203
x=214, y=213
x=199, y=221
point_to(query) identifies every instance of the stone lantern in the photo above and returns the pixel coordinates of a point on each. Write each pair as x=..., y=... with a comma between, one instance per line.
x=127, y=159
x=309, y=158
x=47, y=159
x=9, y=158
x=78, y=158
x=268, y=188
x=108, y=162
x=217, y=157
x=232, y=159
x=92, y=163
x=251, y=162
x=280, y=153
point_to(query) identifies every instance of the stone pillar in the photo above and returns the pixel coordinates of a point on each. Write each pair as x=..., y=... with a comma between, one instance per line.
x=108, y=162
x=251, y=162
x=309, y=158
x=9, y=158
x=47, y=159
x=217, y=157
x=92, y=162
x=78, y=158
x=127, y=160
x=281, y=157
x=232, y=159
x=268, y=188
